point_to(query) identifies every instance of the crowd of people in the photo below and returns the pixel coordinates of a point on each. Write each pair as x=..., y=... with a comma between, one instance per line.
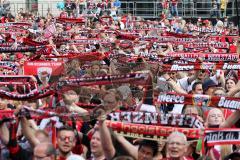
x=66, y=80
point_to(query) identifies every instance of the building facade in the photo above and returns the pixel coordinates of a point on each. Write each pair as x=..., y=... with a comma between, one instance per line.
x=143, y=8
x=40, y=7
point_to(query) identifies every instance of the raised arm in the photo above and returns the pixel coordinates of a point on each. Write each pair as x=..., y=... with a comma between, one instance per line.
x=28, y=132
x=106, y=140
x=4, y=133
x=234, y=90
x=231, y=120
x=174, y=85
x=130, y=148
x=193, y=77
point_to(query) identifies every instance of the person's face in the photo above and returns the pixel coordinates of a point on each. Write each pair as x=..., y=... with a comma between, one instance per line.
x=66, y=141
x=3, y=104
x=185, y=29
x=95, y=145
x=173, y=75
x=198, y=89
x=161, y=145
x=191, y=111
x=215, y=117
x=145, y=153
x=202, y=75
x=210, y=91
x=176, y=147
x=190, y=73
x=219, y=93
x=95, y=69
x=41, y=22
x=230, y=84
x=40, y=154
x=110, y=101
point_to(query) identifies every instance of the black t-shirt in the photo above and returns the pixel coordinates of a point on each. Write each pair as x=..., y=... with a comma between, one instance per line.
x=70, y=6
x=21, y=154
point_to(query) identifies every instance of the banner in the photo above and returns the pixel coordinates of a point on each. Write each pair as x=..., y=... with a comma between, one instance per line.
x=222, y=136
x=82, y=41
x=18, y=49
x=177, y=120
x=14, y=24
x=142, y=136
x=204, y=29
x=216, y=57
x=88, y=56
x=89, y=41
x=12, y=66
x=200, y=100
x=216, y=45
x=68, y=83
x=151, y=130
x=136, y=78
x=44, y=70
x=200, y=66
x=70, y=20
x=31, y=42
x=166, y=39
x=16, y=80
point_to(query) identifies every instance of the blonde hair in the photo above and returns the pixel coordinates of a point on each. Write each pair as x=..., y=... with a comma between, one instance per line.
x=211, y=111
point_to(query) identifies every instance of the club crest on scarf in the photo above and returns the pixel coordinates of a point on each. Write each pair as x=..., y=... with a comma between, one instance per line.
x=201, y=100
x=44, y=73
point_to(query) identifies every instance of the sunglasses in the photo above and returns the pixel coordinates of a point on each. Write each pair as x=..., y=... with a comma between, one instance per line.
x=70, y=139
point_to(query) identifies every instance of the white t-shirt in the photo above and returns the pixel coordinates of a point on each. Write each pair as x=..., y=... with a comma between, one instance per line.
x=75, y=157
x=148, y=108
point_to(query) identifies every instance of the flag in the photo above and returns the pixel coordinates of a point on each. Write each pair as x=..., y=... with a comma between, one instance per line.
x=49, y=31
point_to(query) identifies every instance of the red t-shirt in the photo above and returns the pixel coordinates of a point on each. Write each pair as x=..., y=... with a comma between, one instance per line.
x=174, y=2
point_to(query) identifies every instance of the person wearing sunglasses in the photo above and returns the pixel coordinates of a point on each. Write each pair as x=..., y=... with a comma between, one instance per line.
x=66, y=141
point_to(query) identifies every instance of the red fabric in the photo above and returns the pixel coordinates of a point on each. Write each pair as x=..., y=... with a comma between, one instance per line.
x=3, y=19
x=13, y=150
x=63, y=15
x=124, y=19
x=174, y=2
x=61, y=158
x=19, y=55
x=184, y=158
x=78, y=149
x=232, y=48
x=165, y=5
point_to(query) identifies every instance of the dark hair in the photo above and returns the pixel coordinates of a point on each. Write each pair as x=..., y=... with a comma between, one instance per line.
x=195, y=85
x=200, y=112
x=123, y=158
x=152, y=144
x=65, y=128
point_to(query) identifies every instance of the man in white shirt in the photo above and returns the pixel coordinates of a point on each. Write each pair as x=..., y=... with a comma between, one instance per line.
x=66, y=141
